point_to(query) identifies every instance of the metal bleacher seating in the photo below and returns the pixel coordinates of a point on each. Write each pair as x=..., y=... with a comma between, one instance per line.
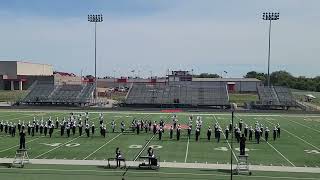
x=275, y=96
x=40, y=92
x=179, y=94
x=44, y=92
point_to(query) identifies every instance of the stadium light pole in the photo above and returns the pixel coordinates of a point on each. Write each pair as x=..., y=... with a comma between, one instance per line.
x=231, y=145
x=270, y=17
x=95, y=19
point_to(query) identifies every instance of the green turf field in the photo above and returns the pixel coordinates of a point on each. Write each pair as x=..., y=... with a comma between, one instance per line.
x=299, y=144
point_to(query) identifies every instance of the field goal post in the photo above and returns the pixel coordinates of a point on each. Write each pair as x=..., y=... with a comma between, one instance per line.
x=21, y=158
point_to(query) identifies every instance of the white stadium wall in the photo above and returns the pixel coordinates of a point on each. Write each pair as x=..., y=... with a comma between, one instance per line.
x=32, y=69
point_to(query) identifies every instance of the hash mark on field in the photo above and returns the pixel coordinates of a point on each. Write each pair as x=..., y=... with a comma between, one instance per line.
x=102, y=146
x=187, y=150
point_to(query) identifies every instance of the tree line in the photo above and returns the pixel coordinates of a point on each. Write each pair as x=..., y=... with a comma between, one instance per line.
x=284, y=78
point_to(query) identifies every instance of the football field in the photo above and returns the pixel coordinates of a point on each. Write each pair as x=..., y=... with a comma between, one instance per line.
x=298, y=146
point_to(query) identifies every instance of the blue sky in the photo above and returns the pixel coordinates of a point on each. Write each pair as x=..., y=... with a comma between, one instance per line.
x=156, y=35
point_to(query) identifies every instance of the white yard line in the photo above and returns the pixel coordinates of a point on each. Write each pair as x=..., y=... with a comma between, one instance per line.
x=18, y=145
x=276, y=150
x=143, y=148
x=187, y=151
x=279, y=153
x=297, y=137
x=102, y=146
x=56, y=147
x=305, y=126
x=234, y=155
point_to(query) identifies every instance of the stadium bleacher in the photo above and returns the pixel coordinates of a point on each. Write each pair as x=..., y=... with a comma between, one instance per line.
x=177, y=94
x=275, y=96
x=48, y=93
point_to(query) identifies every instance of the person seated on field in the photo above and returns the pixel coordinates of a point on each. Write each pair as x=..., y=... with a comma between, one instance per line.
x=150, y=154
x=118, y=156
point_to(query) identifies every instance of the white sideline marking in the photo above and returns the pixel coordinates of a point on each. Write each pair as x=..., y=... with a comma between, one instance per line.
x=298, y=137
x=57, y=147
x=102, y=146
x=187, y=150
x=143, y=148
x=234, y=155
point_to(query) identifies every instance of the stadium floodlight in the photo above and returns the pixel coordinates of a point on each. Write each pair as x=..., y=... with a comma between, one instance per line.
x=95, y=18
x=270, y=17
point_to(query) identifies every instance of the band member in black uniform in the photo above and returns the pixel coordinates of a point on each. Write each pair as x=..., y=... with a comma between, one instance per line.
x=278, y=130
x=242, y=145
x=87, y=130
x=41, y=129
x=197, y=134
x=73, y=126
x=80, y=128
x=32, y=129
x=275, y=130
x=209, y=133
x=103, y=131
x=19, y=126
x=226, y=131
x=29, y=129
x=138, y=128
x=68, y=129
x=154, y=128
x=13, y=131
x=122, y=126
x=1, y=126
x=246, y=128
x=266, y=134
x=92, y=128
x=45, y=129
x=240, y=124
x=146, y=127
x=51, y=130
x=57, y=123
x=171, y=132
x=160, y=133
x=61, y=129
x=178, y=133
x=250, y=133
x=189, y=132
x=22, y=140
x=218, y=134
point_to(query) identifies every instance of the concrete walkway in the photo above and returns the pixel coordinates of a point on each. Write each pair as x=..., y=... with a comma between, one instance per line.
x=169, y=165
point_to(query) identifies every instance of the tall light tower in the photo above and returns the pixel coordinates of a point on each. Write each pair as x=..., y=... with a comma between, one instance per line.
x=95, y=18
x=270, y=17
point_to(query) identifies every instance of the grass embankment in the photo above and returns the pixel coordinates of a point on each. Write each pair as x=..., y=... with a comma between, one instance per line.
x=12, y=96
x=240, y=99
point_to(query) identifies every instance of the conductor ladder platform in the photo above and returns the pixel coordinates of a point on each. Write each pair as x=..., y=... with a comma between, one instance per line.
x=243, y=165
x=20, y=158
